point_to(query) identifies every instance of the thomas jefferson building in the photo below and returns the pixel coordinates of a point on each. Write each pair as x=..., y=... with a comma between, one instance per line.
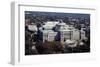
x=60, y=31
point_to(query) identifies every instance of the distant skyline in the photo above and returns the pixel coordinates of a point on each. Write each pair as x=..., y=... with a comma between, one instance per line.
x=51, y=14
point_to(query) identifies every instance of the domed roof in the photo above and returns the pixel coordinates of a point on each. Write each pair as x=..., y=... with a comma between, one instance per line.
x=61, y=24
x=50, y=24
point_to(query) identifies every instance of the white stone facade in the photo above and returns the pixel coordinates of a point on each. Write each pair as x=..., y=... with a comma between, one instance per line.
x=66, y=31
x=49, y=35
